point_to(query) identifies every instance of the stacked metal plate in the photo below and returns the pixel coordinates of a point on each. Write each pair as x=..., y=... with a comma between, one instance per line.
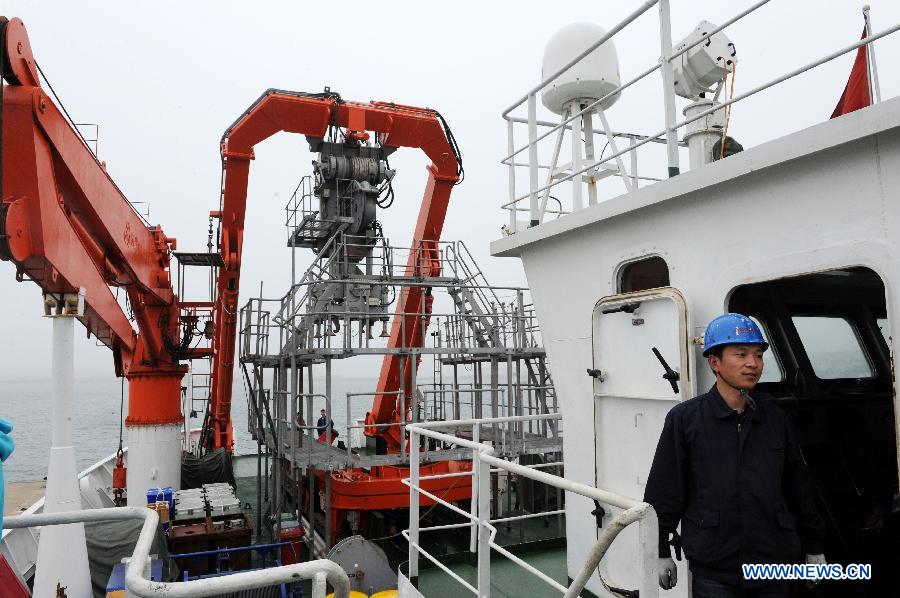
x=218, y=497
x=221, y=499
x=189, y=504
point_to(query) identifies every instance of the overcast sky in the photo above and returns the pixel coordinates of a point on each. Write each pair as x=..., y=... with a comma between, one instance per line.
x=164, y=79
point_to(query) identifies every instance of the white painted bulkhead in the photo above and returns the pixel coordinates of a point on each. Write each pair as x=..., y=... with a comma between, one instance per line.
x=819, y=199
x=154, y=460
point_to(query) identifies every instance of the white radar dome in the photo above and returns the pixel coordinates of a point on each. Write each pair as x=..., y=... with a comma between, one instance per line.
x=596, y=75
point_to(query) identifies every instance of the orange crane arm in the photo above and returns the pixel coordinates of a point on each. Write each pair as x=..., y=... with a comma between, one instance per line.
x=66, y=225
x=312, y=114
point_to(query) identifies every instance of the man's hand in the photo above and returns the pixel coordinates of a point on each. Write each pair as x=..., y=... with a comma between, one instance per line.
x=815, y=559
x=668, y=574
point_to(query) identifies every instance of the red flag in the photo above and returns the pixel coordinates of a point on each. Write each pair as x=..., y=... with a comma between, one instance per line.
x=856, y=93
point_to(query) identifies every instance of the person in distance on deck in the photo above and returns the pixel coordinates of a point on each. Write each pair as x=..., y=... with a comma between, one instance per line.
x=323, y=424
x=729, y=469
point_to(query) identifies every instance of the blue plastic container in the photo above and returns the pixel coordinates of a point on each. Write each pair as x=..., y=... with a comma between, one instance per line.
x=155, y=495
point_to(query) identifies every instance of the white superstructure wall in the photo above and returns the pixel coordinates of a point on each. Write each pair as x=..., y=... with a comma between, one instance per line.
x=823, y=198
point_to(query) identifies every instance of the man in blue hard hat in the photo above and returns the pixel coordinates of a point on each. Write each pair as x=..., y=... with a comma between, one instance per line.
x=728, y=468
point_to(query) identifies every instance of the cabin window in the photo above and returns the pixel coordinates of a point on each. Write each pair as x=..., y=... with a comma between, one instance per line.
x=648, y=273
x=828, y=330
x=833, y=347
x=772, y=370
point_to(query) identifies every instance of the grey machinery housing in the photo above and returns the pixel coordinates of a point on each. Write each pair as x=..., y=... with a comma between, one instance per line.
x=349, y=179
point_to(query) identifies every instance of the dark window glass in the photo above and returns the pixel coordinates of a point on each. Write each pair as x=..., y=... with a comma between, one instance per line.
x=833, y=347
x=650, y=273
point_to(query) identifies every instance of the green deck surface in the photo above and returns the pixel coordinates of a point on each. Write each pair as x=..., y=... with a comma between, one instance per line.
x=245, y=478
x=507, y=578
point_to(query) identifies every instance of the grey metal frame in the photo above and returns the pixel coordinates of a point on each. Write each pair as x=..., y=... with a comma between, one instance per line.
x=287, y=342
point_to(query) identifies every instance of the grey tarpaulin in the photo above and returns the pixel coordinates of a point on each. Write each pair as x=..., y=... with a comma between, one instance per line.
x=108, y=542
x=212, y=467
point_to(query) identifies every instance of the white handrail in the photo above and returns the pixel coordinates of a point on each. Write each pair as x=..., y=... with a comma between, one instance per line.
x=718, y=107
x=798, y=71
x=140, y=586
x=596, y=103
x=641, y=513
x=549, y=79
x=667, y=55
x=633, y=510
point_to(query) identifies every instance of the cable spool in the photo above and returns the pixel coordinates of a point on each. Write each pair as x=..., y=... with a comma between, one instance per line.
x=354, y=168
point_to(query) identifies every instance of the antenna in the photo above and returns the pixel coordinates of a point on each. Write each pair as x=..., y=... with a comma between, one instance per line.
x=705, y=65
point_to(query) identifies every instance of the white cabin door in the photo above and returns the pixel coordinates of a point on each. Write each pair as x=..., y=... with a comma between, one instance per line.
x=626, y=329
x=631, y=399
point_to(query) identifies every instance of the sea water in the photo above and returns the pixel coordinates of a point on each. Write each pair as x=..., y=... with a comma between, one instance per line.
x=96, y=417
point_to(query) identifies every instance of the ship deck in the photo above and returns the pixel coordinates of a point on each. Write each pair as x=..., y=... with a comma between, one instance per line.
x=507, y=578
x=21, y=495
x=538, y=542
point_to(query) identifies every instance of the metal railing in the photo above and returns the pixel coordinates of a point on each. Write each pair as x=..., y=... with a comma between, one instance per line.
x=537, y=195
x=469, y=328
x=299, y=206
x=222, y=558
x=320, y=571
x=431, y=403
x=304, y=317
x=483, y=531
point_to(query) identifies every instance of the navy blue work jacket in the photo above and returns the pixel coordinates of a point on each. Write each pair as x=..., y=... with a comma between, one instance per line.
x=738, y=485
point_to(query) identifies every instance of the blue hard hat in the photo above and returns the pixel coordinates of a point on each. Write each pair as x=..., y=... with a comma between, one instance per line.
x=732, y=329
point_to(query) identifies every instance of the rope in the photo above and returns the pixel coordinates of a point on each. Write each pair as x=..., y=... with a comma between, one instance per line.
x=63, y=107
x=83, y=140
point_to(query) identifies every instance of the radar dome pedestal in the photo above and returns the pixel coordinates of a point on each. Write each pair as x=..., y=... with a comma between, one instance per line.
x=592, y=78
x=574, y=95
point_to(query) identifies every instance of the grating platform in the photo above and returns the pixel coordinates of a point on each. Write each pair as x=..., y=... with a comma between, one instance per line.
x=210, y=260
x=312, y=232
x=319, y=455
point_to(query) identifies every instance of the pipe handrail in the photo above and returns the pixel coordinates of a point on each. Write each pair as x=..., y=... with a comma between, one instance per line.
x=667, y=57
x=590, y=107
x=632, y=510
x=137, y=584
x=609, y=34
x=716, y=108
x=798, y=71
x=639, y=512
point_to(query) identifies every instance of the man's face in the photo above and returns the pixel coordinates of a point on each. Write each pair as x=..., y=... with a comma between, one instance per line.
x=322, y=412
x=740, y=365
